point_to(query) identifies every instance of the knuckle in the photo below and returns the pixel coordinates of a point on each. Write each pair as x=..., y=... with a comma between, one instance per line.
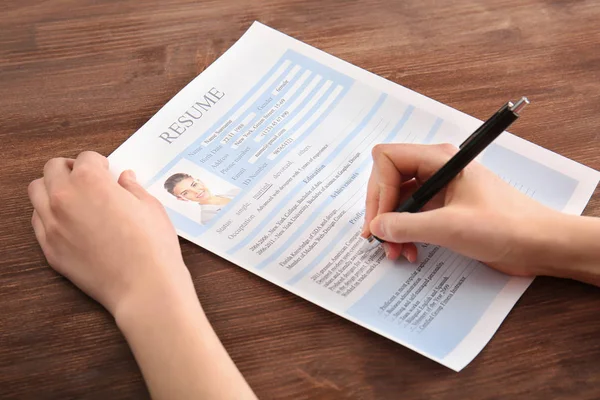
x=373, y=196
x=57, y=200
x=92, y=155
x=372, y=200
x=447, y=148
x=156, y=203
x=50, y=163
x=52, y=230
x=384, y=186
x=393, y=228
x=50, y=256
x=151, y=200
x=89, y=154
x=387, y=190
x=85, y=172
x=372, y=205
x=33, y=185
x=378, y=150
x=54, y=164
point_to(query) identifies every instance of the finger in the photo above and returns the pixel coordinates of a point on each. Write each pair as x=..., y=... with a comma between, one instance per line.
x=389, y=180
x=428, y=227
x=393, y=251
x=372, y=203
x=405, y=191
x=90, y=170
x=38, y=195
x=410, y=252
x=417, y=161
x=395, y=164
x=384, y=189
x=128, y=181
x=408, y=188
x=91, y=158
x=38, y=229
x=56, y=172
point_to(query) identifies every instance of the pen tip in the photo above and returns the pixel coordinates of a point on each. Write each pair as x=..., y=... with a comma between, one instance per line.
x=369, y=244
x=520, y=105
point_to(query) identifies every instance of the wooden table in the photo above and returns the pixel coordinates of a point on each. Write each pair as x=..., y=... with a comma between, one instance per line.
x=78, y=75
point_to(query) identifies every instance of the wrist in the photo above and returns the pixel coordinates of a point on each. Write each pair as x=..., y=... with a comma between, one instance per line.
x=178, y=352
x=545, y=248
x=564, y=247
x=154, y=299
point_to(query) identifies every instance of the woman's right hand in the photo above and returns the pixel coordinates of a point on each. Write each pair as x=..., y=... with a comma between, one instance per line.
x=477, y=214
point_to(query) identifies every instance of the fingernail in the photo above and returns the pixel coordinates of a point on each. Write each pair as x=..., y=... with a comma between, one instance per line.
x=405, y=254
x=386, y=248
x=379, y=229
x=131, y=174
x=410, y=257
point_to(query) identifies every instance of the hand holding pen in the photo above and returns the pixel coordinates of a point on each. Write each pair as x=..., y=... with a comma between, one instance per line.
x=419, y=178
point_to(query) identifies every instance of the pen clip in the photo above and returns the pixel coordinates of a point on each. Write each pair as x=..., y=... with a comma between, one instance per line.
x=509, y=106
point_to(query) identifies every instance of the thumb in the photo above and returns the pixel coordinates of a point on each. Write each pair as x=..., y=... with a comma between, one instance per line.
x=128, y=181
x=426, y=227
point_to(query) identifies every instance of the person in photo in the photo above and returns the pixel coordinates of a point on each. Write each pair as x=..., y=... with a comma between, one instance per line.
x=187, y=188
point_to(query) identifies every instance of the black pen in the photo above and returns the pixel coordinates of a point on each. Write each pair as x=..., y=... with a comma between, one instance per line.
x=469, y=149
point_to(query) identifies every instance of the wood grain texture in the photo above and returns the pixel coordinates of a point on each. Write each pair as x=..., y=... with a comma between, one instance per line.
x=85, y=74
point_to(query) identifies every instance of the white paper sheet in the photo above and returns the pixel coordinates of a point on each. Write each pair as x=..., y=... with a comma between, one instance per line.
x=281, y=134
